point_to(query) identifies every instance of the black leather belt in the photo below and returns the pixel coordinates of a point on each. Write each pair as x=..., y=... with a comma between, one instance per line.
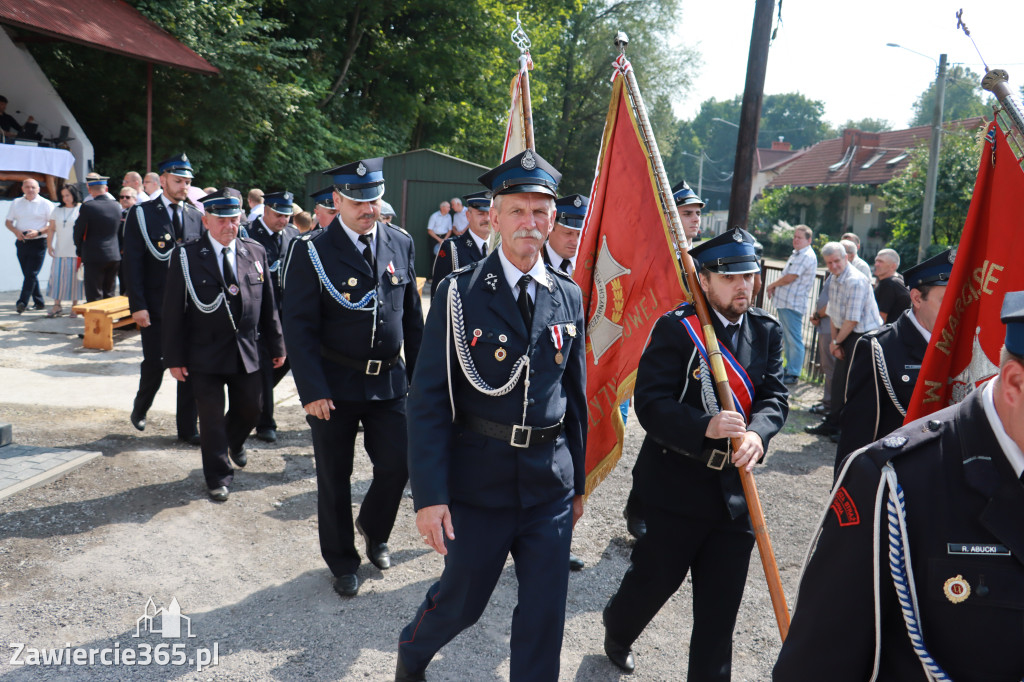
x=712, y=458
x=368, y=367
x=515, y=435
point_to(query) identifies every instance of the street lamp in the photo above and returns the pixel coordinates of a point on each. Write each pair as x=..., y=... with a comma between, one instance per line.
x=932, y=179
x=728, y=123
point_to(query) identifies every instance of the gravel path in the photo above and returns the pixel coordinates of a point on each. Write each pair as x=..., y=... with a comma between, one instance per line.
x=80, y=557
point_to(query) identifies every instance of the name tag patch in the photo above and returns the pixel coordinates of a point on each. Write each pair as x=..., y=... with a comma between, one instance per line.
x=976, y=549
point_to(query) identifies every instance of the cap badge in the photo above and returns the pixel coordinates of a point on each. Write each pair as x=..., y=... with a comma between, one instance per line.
x=360, y=169
x=577, y=202
x=952, y=256
x=184, y=158
x=528, y=162
x=956, y=589
x=737, y=237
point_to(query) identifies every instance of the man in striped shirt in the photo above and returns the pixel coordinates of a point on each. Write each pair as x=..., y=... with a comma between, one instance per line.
x=790, y=292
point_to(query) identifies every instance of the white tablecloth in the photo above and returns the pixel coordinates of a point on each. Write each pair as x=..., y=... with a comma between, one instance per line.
x=15, y=157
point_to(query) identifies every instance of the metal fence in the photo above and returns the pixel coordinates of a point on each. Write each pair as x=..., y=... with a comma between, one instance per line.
x=812, y=366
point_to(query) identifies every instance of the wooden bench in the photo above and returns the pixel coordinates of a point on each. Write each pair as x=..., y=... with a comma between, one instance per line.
x=101, y=318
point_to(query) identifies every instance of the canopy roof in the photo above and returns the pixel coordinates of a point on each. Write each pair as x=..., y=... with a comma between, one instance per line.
x=109, y=25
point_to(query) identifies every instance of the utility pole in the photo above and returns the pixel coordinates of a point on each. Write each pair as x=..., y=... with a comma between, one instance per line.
x=700, y=177
x=931, y=181
x=750, y=113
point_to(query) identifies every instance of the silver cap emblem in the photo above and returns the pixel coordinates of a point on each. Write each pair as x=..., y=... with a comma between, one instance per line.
x=528, y=162
x=360, y=169
x=577, y=202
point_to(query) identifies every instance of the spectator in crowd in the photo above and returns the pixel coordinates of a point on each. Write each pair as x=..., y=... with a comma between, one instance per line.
x=211, y=190
x=857, y=261
x=821, y=320
x=91, y=177
x=790, y=292
x=151, y=185
x=96, y=238
x=134, y=180
x=439, y=227
x=853, y=312
x=255, y=201
x=28, y=218
x=387, y=212
x=60, y=243
x=9, y=126
x=460, y=221
x=303, y=222
x=891, y=291
x=127, y=197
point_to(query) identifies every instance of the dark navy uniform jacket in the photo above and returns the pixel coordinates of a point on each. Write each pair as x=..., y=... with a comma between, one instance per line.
x=313, y=318
x=275, y=252
x=450, y=463
x=669, y=406
x=145, y=275
x=964, y=507
x=96, y=230
x=459, y=249
x=870, y=412
x=206, y=342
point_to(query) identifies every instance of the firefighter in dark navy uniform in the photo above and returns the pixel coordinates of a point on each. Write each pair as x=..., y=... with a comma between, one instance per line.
x=918, y=564
x=463, y=249
x=218, y=308
x=151, y=231
x=564, y=240
x=685, y=474
x=352, y=303
x=274, y=233
x=497, y=425
x=885, y=362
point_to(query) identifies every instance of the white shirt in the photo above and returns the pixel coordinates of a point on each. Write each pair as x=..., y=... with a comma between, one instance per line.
x=480, y=243
x=170, y=213
x=725, y=323
x=1010, y=448
x=354, y=236
x=256, y=212
x=556, y=260
x=512, y=275
x=924, y=332
x=218, y=249
x=141, y=196
x=64, y=231
x=31, y=215
x=440, y=224
x=459, y=220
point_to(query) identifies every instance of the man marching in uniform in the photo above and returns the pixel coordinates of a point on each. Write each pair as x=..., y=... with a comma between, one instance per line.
x=885, y=362
x=274, y=233
x=463, y=249
x=218, y=306
x=151, y=231
x=352, y=302
x=324, y=210
x=693, y=503
x=497, y=425
x=917, y=567
x=564, y=240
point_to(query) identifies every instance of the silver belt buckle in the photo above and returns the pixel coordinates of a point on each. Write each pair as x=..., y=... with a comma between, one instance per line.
x=718, y=459
x=520, y=436
x=373, y=367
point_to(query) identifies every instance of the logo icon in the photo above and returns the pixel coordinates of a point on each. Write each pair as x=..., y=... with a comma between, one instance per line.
x=360, y=169
x=577, y=202
x=166, y=622
x=528, y=162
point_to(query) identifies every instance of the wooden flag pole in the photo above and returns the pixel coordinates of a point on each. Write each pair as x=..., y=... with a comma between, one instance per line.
x=757, y=521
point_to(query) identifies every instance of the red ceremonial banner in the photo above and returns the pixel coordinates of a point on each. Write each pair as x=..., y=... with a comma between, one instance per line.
x=629, y=275
x=964, y=349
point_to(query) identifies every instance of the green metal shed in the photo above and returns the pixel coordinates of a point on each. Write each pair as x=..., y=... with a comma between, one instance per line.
x=415, y=184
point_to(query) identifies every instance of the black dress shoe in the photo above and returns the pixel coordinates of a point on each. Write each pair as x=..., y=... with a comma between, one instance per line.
x=218, y=494
x=239, y=458
x=403, y=674
x=138, y=420
x=635, y=525
x=821, y=429
x=21, y=307
x=346, y=585
x=618, y=654
x=191, y=440
x=39, y=306
x=267, y=435
x=376, y=552
x=818, y=409
x=575, y=563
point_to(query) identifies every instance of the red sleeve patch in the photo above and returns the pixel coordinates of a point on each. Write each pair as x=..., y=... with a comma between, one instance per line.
x=845, y=509
x=440, y=254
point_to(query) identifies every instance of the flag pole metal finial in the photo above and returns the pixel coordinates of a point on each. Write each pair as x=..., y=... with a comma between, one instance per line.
x=621, y=41
x=519, y=37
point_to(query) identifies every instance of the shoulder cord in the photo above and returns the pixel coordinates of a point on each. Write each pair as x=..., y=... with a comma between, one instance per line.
x=363, y=303
x=458, y=329
x=141, y=217
x=707, y=388
x=203, y=307
x=903, y=573
x=883, y=372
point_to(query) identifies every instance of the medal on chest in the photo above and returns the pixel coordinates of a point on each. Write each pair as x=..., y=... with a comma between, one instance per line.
x=391, y=271
x=556, y=339
x=259, y=269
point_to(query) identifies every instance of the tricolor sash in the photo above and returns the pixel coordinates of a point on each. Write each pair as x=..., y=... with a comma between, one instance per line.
x=739, y=383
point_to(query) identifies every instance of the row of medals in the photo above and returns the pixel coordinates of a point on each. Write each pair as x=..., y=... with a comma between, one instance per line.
x=500, y=354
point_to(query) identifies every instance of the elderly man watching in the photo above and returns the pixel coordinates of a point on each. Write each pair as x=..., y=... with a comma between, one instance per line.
x=134, y=180
x=439, y=226
x=459, y=219
x=151, y=185
x=852, y=256
x=891, y=291
x=790, y=292
x=852, y=312
x=28, y=218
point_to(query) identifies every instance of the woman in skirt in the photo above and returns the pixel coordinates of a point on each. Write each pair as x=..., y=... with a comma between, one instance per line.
x=64, y=282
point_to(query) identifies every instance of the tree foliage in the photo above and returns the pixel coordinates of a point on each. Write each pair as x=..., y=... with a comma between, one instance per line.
x=904, y=195
x=870, y=125
x=963, y=98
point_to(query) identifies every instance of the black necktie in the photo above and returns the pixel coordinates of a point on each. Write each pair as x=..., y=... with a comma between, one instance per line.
x=565, y=266
x=483, y=249
x=731, y=330
x=524, y=302
x=229, y=272
x=176, y=222
x=367, y=251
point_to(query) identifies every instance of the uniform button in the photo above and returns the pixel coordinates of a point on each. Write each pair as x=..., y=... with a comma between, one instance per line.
x=532, y=372
x=531, y=401
x=934, y=424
